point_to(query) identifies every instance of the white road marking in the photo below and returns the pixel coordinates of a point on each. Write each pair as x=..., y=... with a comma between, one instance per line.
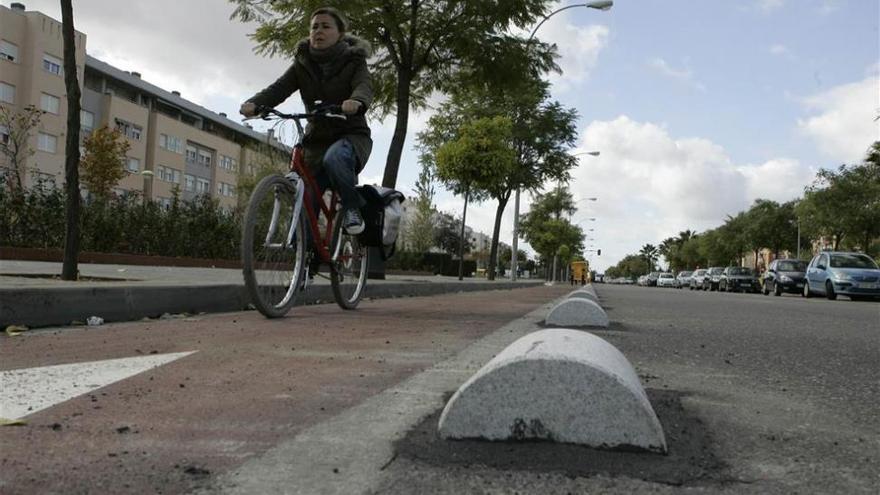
x=26, y=391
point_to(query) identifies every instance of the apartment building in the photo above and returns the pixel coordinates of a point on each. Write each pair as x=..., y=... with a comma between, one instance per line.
x=175, y=143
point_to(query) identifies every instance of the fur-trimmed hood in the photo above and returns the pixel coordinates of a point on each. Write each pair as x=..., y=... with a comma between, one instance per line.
x=358, y=47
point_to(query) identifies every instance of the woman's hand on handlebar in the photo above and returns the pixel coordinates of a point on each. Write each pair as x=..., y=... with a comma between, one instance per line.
x=248, y=109
x=351, y=107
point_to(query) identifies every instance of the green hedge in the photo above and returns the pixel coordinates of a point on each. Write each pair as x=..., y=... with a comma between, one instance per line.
x=436, y=263
x=199, y=229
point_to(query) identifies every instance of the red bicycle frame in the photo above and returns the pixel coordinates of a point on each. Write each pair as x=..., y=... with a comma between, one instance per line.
x=321, y=243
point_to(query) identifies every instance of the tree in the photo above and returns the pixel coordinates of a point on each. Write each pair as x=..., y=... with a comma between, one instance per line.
x=71, y=149
x=689, y=252
x=541, y=134
x=266, y=160
x=422, y=47
x=649, y=253
x=447, y=234
x=545, y=228
x=474, y=161
x=631, y=266
x=103, y=164
x=845, y=202
x=421, y=230
x=14, y=145
x=669, y=250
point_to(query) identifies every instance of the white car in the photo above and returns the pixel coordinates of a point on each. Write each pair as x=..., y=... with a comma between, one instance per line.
x=666, y=280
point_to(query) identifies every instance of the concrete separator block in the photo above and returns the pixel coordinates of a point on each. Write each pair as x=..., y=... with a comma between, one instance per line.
x=584, y=294
x=557, y=384
x=577, y=312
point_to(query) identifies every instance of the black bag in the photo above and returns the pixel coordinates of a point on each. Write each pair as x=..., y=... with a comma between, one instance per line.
x=382, y=215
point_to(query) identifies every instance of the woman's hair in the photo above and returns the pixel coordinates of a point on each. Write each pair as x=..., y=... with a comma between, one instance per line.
x=337, y=16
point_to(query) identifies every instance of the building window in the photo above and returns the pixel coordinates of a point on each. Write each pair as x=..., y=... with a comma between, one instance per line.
x=7, y=93
x=168, y=174
x=131, y=131
x=47, y=143
x=133, y=165
x=224, y=189
x=86, y=120
x=171, y=143
x=228, y=163
x=52, y=64
x=204, y=158
x=191, y=153
x=50, y=103
x=4, y=134
x=203, y=186
x=8, y=51
x=189, y=182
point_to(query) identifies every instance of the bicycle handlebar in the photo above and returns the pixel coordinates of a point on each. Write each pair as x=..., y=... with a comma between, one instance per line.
x=325, y=111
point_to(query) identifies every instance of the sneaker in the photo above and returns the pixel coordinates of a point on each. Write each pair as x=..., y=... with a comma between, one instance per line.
x=354, y=223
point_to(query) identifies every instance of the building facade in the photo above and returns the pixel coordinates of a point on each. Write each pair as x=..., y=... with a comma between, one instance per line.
x=175, y=143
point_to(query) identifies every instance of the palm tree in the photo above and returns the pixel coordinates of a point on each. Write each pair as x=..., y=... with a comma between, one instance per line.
x=667, y=249
x=649, y=253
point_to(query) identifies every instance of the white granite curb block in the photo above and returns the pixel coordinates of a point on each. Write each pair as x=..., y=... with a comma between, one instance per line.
x=584, y=294
x=557, y=384
x=577, y=312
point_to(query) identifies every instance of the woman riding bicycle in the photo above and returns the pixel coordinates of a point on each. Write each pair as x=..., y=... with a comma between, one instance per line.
x=329, y=68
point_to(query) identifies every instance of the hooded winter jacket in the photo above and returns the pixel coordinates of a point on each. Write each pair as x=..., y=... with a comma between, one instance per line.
x=345, y=77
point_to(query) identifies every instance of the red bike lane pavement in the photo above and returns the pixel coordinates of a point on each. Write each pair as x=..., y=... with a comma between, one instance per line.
x=251, y=383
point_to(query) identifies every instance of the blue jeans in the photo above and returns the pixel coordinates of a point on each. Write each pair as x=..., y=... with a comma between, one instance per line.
x=338, y=173
x=340, y=164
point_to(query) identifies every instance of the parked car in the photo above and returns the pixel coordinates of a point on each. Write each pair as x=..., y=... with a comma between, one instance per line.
x=683, y=279
x=651, y=281
x=712, y=278
x=836, y=273
x=697, y=279
x=666, y=280
x=784, y=276
x=738, y=278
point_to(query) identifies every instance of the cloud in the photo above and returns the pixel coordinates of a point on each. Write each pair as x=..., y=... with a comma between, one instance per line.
x=652, y=185
x=578, y=47
x=778, y=49
x=844, y=125
x=191, y=46
x=768, y=6
x=685, y=76
x=829, y=6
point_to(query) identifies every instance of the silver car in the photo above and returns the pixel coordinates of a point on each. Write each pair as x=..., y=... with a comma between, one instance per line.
x=836, y=273
x=697, y=279
x=683, y=279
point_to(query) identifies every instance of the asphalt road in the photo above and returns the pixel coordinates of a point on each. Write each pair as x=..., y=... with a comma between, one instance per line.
x=784, y=392
x=757, y=394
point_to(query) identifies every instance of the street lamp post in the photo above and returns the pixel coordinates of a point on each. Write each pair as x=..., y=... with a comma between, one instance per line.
x=602, y=5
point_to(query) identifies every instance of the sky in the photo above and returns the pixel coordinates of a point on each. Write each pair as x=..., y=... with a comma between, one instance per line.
x=697, y=107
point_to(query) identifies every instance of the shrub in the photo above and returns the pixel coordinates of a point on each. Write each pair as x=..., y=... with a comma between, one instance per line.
x=200, y=228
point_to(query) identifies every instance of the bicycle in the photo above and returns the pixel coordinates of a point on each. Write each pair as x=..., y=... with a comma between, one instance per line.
x=273, y=246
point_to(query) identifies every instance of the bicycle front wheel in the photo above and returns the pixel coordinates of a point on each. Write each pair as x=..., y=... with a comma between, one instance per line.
x=348, y=271
x=273, y=247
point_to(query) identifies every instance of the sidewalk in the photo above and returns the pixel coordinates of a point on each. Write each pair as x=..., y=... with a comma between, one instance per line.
x=29, y=296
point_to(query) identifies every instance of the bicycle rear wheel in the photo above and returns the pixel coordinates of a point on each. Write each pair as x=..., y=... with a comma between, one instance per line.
x=273, y=247
x=348, y=273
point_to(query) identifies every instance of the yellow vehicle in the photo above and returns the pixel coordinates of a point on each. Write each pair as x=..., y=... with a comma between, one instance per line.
x=581, y=271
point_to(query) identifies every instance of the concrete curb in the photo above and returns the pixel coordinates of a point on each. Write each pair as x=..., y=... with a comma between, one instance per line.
x=577, y=312
x=584, y=294
x=41, y=307
x=562, y=385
